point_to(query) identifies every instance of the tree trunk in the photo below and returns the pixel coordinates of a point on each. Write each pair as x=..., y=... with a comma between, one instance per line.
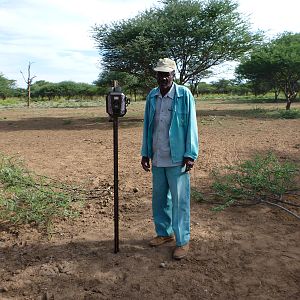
x=276, y=95
x=288, y=104
x=28, y=95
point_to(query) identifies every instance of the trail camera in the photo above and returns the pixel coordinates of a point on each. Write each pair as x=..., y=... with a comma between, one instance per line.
x=116, y=103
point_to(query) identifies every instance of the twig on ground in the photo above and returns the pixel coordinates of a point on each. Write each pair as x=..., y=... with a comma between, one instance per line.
x=281, y=207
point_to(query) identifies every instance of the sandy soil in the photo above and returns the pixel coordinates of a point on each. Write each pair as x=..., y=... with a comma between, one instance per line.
x=240, y=253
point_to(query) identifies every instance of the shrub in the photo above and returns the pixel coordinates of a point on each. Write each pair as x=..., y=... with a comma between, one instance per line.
x=26, y=198
x=253, y=181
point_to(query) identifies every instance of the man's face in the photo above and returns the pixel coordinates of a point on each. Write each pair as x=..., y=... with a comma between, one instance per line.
x=165, y=80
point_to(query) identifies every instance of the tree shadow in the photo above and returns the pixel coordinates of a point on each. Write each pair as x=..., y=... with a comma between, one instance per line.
x=65, y=123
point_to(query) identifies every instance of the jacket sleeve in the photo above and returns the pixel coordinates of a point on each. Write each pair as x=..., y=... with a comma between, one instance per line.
x=191, y=147
x=144, y=150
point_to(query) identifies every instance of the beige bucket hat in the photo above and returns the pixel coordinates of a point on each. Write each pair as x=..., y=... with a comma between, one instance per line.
x=165, y=65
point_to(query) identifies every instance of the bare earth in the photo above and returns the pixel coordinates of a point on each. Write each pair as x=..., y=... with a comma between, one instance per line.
x=240, y=253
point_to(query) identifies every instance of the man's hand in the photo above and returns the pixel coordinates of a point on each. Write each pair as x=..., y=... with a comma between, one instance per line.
x=145, y=162
x=188, y=163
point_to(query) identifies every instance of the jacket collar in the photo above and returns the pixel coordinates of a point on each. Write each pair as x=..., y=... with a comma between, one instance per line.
x=177, y=93
x=170, y=94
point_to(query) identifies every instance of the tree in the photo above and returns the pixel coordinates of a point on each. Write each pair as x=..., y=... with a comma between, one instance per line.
x=28, y=81
x=196, y=34
x=275, y=66
x=7, y=87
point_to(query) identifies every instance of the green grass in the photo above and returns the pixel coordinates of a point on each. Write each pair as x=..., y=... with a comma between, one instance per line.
x=293, y=113
x=26, y=198
x=12, y=102
x=57, y=103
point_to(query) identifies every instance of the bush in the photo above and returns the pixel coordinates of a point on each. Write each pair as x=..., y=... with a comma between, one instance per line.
x=26, y=198
x=253, y=181
x=286, y=114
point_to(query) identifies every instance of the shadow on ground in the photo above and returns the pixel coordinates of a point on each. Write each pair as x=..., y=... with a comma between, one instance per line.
x=60, y=123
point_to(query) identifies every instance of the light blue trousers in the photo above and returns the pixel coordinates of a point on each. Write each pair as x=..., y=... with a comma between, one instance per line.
x=171, y=203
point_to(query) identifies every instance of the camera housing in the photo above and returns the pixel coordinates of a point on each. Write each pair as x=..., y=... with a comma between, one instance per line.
x=116, y=103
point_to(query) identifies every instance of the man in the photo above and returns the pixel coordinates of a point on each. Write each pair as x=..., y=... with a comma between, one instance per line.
x=170, y=141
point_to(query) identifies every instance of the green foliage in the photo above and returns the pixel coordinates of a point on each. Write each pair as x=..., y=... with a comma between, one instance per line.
x=285, y=114
x=11, y=102
x=274, y=66
x=28, y=199
x=196, y=34
x=129, y=83
x=65, y=89
x=7, y=87
x=253, y=180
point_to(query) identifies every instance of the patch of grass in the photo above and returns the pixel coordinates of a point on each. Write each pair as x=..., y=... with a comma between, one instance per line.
x=293, y=113
x=56, y=103
x=253, y=181
x=26, y=198
x=13, y=102
x=235, y=98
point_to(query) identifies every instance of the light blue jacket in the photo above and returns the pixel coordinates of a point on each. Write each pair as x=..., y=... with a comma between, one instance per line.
x=183, y=132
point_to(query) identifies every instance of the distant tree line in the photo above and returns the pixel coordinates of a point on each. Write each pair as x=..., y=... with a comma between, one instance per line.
x=44, y=90
x=65, y=89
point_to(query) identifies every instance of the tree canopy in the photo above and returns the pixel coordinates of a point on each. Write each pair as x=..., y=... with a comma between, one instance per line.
x=7, y=87
x=196, y=34
x=274, y=66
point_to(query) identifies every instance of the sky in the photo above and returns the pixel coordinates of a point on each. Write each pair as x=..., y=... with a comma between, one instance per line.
x=55, y=35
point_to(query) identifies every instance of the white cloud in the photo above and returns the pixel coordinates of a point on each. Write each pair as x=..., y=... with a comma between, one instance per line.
x=272, y=16
x=56, y=35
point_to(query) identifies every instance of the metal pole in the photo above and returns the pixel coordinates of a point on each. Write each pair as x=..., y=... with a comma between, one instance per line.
x=116, y=184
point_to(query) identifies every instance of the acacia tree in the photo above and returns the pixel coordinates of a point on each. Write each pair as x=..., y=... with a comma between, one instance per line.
x=275, y=66
x=196, y=34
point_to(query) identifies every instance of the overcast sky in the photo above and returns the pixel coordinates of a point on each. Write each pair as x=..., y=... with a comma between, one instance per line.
x=56, y=34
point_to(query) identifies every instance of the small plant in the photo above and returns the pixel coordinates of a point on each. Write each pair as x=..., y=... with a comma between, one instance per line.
x=26, y=198
x=262, y=179
x=197, y=196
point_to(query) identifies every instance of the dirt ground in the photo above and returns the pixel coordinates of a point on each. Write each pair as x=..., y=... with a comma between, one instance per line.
x=239, y=253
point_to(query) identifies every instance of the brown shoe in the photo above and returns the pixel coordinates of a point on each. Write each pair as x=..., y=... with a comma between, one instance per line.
x=181, y=252
x=159, y=240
